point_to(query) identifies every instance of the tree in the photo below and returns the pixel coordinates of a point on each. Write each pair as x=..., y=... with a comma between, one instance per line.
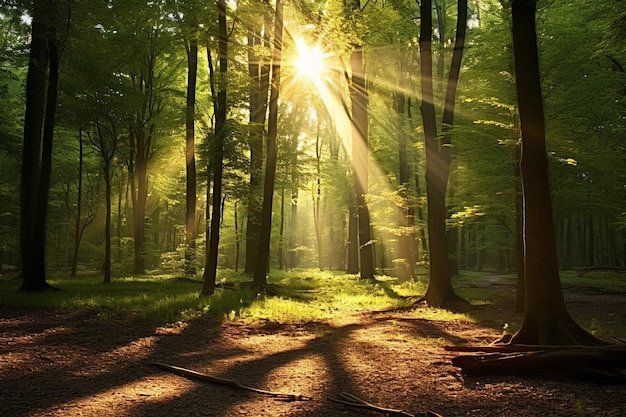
x=259, y=71
x=260, y=271
x=360, y=150
x=105, y=141
x=438, y=154
x=39, y=120
x=220, y=103
x=191, y=46
x=359, y=102
x=546, y=320
x=14, y=40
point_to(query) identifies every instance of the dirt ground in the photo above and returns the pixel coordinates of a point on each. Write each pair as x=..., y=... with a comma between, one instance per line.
x=58, y=363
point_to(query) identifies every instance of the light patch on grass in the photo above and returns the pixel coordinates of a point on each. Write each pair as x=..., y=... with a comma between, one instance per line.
x=440, y=314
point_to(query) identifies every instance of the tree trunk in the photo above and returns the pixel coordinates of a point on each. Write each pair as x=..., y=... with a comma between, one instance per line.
x=353, y=241
x=190, y=158
x=406, y=216
x=318, y=195
x=437, y=162
x=210, y=271
x=360, y=150
x=107, y=223
x=546, y=320
x=293, y=230
x=259, y=70
x=260, y=271
x=32, y=240
x=79, y=203
x=520, y=289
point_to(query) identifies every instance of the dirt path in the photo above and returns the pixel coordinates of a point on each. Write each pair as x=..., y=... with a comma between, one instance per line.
x=55, y=363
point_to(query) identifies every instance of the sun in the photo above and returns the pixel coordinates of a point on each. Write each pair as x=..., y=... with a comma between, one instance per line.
x=309, y=60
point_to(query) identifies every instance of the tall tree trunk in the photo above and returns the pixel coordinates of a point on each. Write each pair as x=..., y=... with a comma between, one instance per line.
x=293, y=230
x=140, y=194
x=437, y=164
x=190, y=158
x=318, y=195
x=452, y=234
x=259, y=69
x=520, y=289
x=360, y=151
x=33, y=176
x=260, y=271
x=406, y=216
x=79, y=203
x=546, y=320
x=107, y=223
x=210, y=272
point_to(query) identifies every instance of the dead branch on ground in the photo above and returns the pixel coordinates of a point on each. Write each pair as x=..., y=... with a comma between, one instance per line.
x=197, y=376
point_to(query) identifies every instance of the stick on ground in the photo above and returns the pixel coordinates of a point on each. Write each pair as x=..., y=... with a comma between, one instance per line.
x=197, y=376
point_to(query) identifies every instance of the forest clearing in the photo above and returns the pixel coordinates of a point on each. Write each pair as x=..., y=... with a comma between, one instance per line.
x=94, y=361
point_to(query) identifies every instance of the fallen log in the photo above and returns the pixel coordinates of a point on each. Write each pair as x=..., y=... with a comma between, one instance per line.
x=605, y=364
x=503, y=348
x=194, y=375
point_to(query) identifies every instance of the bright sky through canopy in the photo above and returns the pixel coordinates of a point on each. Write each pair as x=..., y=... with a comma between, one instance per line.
x=310, y=60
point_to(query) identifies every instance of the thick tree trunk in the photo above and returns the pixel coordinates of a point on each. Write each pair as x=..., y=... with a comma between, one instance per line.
x=360, y=150
x=353, y=241
x=260, y=271
x=437, y=163
x=546, y=319
x=259, y=69
x=35, y=175
x=520, y=288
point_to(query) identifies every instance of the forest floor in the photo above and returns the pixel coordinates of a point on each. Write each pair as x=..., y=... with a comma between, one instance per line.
x=59, y=363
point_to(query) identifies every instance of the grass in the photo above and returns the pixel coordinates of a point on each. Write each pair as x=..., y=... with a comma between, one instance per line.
x=305, y=295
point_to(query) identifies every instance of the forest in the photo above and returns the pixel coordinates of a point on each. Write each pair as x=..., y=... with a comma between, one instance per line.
x=159, y=132
x=309, y=194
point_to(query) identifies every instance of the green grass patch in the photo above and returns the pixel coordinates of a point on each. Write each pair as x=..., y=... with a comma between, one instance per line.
x=304, y=295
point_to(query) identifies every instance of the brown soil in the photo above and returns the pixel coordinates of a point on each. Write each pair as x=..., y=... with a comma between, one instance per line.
x=57, y=363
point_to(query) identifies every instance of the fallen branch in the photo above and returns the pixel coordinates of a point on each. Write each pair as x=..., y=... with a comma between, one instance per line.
x=197, y=376
x=509, y=348
x=354, y=401
x=597, y=363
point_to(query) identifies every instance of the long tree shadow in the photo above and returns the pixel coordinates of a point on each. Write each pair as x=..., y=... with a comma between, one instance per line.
x=327, y=376
x=120, y=352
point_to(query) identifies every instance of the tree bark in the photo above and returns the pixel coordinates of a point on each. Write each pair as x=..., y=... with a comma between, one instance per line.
x=260, y=271
x=210, y=271
x=190, y=157
x=34, y=175
x=360, y=150
x=546, y=320
x=259, y=69
x=437, y=164
x=406, y=212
